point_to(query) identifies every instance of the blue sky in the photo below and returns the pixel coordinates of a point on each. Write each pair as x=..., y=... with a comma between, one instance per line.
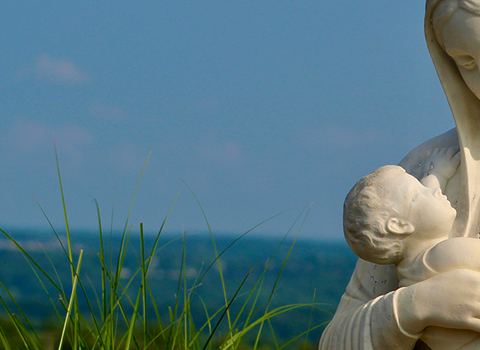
x=260, y=107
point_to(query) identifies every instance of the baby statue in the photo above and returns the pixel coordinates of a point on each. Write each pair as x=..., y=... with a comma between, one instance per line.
x=392, y=218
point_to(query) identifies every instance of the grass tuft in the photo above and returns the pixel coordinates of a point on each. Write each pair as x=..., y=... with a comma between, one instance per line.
x=124, y=313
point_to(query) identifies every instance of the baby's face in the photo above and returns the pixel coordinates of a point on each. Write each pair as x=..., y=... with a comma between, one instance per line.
x=427, y=209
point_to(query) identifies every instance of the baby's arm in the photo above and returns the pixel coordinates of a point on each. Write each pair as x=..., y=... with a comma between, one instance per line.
x=455, y=253
x=440, y=166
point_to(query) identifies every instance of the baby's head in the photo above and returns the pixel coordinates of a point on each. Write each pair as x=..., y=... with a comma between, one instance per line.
x=389, y=205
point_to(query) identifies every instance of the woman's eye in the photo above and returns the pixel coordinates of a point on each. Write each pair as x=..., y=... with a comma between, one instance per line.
x=467, y=62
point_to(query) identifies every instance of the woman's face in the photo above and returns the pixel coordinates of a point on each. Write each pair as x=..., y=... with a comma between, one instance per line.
x=461, y=37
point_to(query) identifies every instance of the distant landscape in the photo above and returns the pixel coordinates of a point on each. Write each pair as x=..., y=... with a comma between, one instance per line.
x=316, y=271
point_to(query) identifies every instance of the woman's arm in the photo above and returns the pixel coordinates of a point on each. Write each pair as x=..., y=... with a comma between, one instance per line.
x=397, y=319
x=365, y=318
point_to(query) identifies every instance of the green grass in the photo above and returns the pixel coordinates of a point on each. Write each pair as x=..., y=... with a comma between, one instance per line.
x=124, y=314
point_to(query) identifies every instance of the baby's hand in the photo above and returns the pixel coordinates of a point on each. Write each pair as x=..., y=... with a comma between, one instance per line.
x=442, y=162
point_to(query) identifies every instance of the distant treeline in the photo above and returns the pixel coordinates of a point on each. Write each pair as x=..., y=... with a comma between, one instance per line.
x=316, y=271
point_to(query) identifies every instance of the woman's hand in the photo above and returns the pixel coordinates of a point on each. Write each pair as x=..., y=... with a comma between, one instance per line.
x=442, y=162
x=450, y=300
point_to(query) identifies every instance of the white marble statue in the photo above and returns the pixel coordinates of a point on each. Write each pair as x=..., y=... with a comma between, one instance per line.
x=392, y=218
x=374, y=312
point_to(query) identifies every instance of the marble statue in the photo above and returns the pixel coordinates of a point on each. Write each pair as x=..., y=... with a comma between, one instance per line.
x=392, y=218
x=375, y=313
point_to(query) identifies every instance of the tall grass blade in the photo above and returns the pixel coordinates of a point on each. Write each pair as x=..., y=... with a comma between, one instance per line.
x=225, y=296
x=4, y=340
x=281, y=270
x=226, y=309
x=310, y=320
x=72, y=300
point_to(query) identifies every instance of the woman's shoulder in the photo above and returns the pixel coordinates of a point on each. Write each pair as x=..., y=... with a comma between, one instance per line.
x=413, y=161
